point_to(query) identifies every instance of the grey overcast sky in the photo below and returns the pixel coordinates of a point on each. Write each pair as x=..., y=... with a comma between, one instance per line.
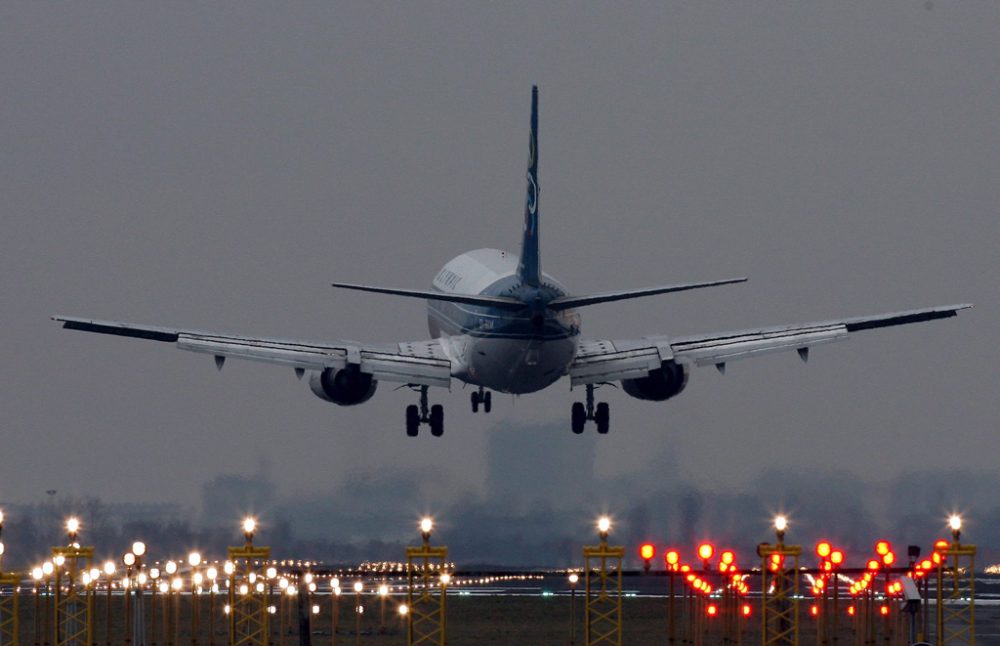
x=217, y=165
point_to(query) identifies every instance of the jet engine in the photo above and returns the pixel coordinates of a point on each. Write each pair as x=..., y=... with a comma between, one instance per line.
x=660, y=384
x=345, y=387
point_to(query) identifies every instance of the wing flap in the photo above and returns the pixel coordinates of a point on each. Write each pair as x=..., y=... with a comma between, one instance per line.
x=600, y=361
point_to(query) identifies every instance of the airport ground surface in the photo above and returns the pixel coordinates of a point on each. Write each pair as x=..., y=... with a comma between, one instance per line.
x=477, y=620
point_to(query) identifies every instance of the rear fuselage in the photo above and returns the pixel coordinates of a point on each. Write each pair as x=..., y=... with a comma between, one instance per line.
x=506, y=351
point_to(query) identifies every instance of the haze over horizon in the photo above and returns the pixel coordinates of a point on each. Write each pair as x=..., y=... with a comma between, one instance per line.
x=218, y=166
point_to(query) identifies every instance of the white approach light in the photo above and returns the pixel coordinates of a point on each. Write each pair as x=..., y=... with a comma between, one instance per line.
x=170, y=567
x=426, y=525
x=138, y=548
x=955, y=522
x=109, y=568
x=358, y=586
x=194, y=559
x=603, y=524
x=129, y=559
x=780, y=523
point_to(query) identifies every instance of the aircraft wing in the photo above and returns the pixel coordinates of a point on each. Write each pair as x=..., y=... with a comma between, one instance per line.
x=606, y=360
x=419, y=362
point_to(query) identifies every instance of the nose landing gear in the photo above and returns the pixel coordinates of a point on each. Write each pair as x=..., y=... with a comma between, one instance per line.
x=483, y=397
x=424, y=414
x=580, y=413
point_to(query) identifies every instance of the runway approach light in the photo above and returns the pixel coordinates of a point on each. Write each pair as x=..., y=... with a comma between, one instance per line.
x=603, y=526
x=72, y=527
x=883, y=547
x=647, y=552
x=426, y=525
x=194, y=559
x=574, y=578
x=249, y=526
x=138, y=548
x=823, y=549
x=955, y=522
x=403, y=609
x=705, y=551
x=672, y=557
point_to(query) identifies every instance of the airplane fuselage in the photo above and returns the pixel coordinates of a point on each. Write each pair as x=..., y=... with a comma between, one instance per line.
x=511, y=352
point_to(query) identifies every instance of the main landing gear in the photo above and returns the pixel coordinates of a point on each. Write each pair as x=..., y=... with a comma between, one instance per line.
x=601, y=414
x=483, y=397
x=432, y=415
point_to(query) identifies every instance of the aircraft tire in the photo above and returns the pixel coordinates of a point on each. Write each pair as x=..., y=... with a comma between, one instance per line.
x=603, y=418
x=437, y=420
x=578, y=417
x=474, y=398
x=487, y=402
x=412, y=420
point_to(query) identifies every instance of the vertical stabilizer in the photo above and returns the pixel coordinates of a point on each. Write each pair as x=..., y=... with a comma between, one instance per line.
x=529, y=269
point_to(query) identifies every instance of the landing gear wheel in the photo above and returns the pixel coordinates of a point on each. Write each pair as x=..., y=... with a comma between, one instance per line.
x=603, y=418
x=579, y=417
x=475, y=401
x=412, y=420
x=437, y=420
x=487, y=402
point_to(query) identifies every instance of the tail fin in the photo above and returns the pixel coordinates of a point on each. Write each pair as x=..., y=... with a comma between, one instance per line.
x=529, y=269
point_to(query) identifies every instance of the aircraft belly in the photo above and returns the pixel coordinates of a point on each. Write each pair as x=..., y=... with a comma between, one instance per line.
x=518, y=365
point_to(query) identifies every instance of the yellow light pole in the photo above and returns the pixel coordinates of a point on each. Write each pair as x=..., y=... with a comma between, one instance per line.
x=383, y=593
x=139, y=583
x=169, y=607
x=574, y=578
x=36, y=576
x=213, y=587
x=358, y=610
x=779, y=589
x=334, y=609
x=129, y=560
x=47, y=569
x=603, y=588
x=109, y=573
x=154, y=582
x=194, y=560
x=426, y=618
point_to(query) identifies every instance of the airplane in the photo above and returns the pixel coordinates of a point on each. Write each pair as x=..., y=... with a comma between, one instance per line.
x=498, y=323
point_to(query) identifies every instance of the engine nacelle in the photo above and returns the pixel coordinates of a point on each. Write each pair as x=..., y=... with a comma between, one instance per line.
x=659, y=385
x=345, y=387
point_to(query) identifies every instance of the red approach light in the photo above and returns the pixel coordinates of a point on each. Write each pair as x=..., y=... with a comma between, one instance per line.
x=873, y=565
x=814, y=610
x=685, y=568
x=823, y=549
x=647, y=551
x=727, y=557
x=746, y=610
x=926, y=564
x=936, y=558
x=827, y=566
x=723, y=567
x=882, y=548
x=884, y=610
x=705, y=551
x=836, y=557
x=672, y=557
x=712, y=610
x=941, y=545
x=850, y=610
x=889, y=558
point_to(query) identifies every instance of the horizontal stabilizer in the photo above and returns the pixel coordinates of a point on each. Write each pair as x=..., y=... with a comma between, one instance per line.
x=467, y=299
x=569, y=302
